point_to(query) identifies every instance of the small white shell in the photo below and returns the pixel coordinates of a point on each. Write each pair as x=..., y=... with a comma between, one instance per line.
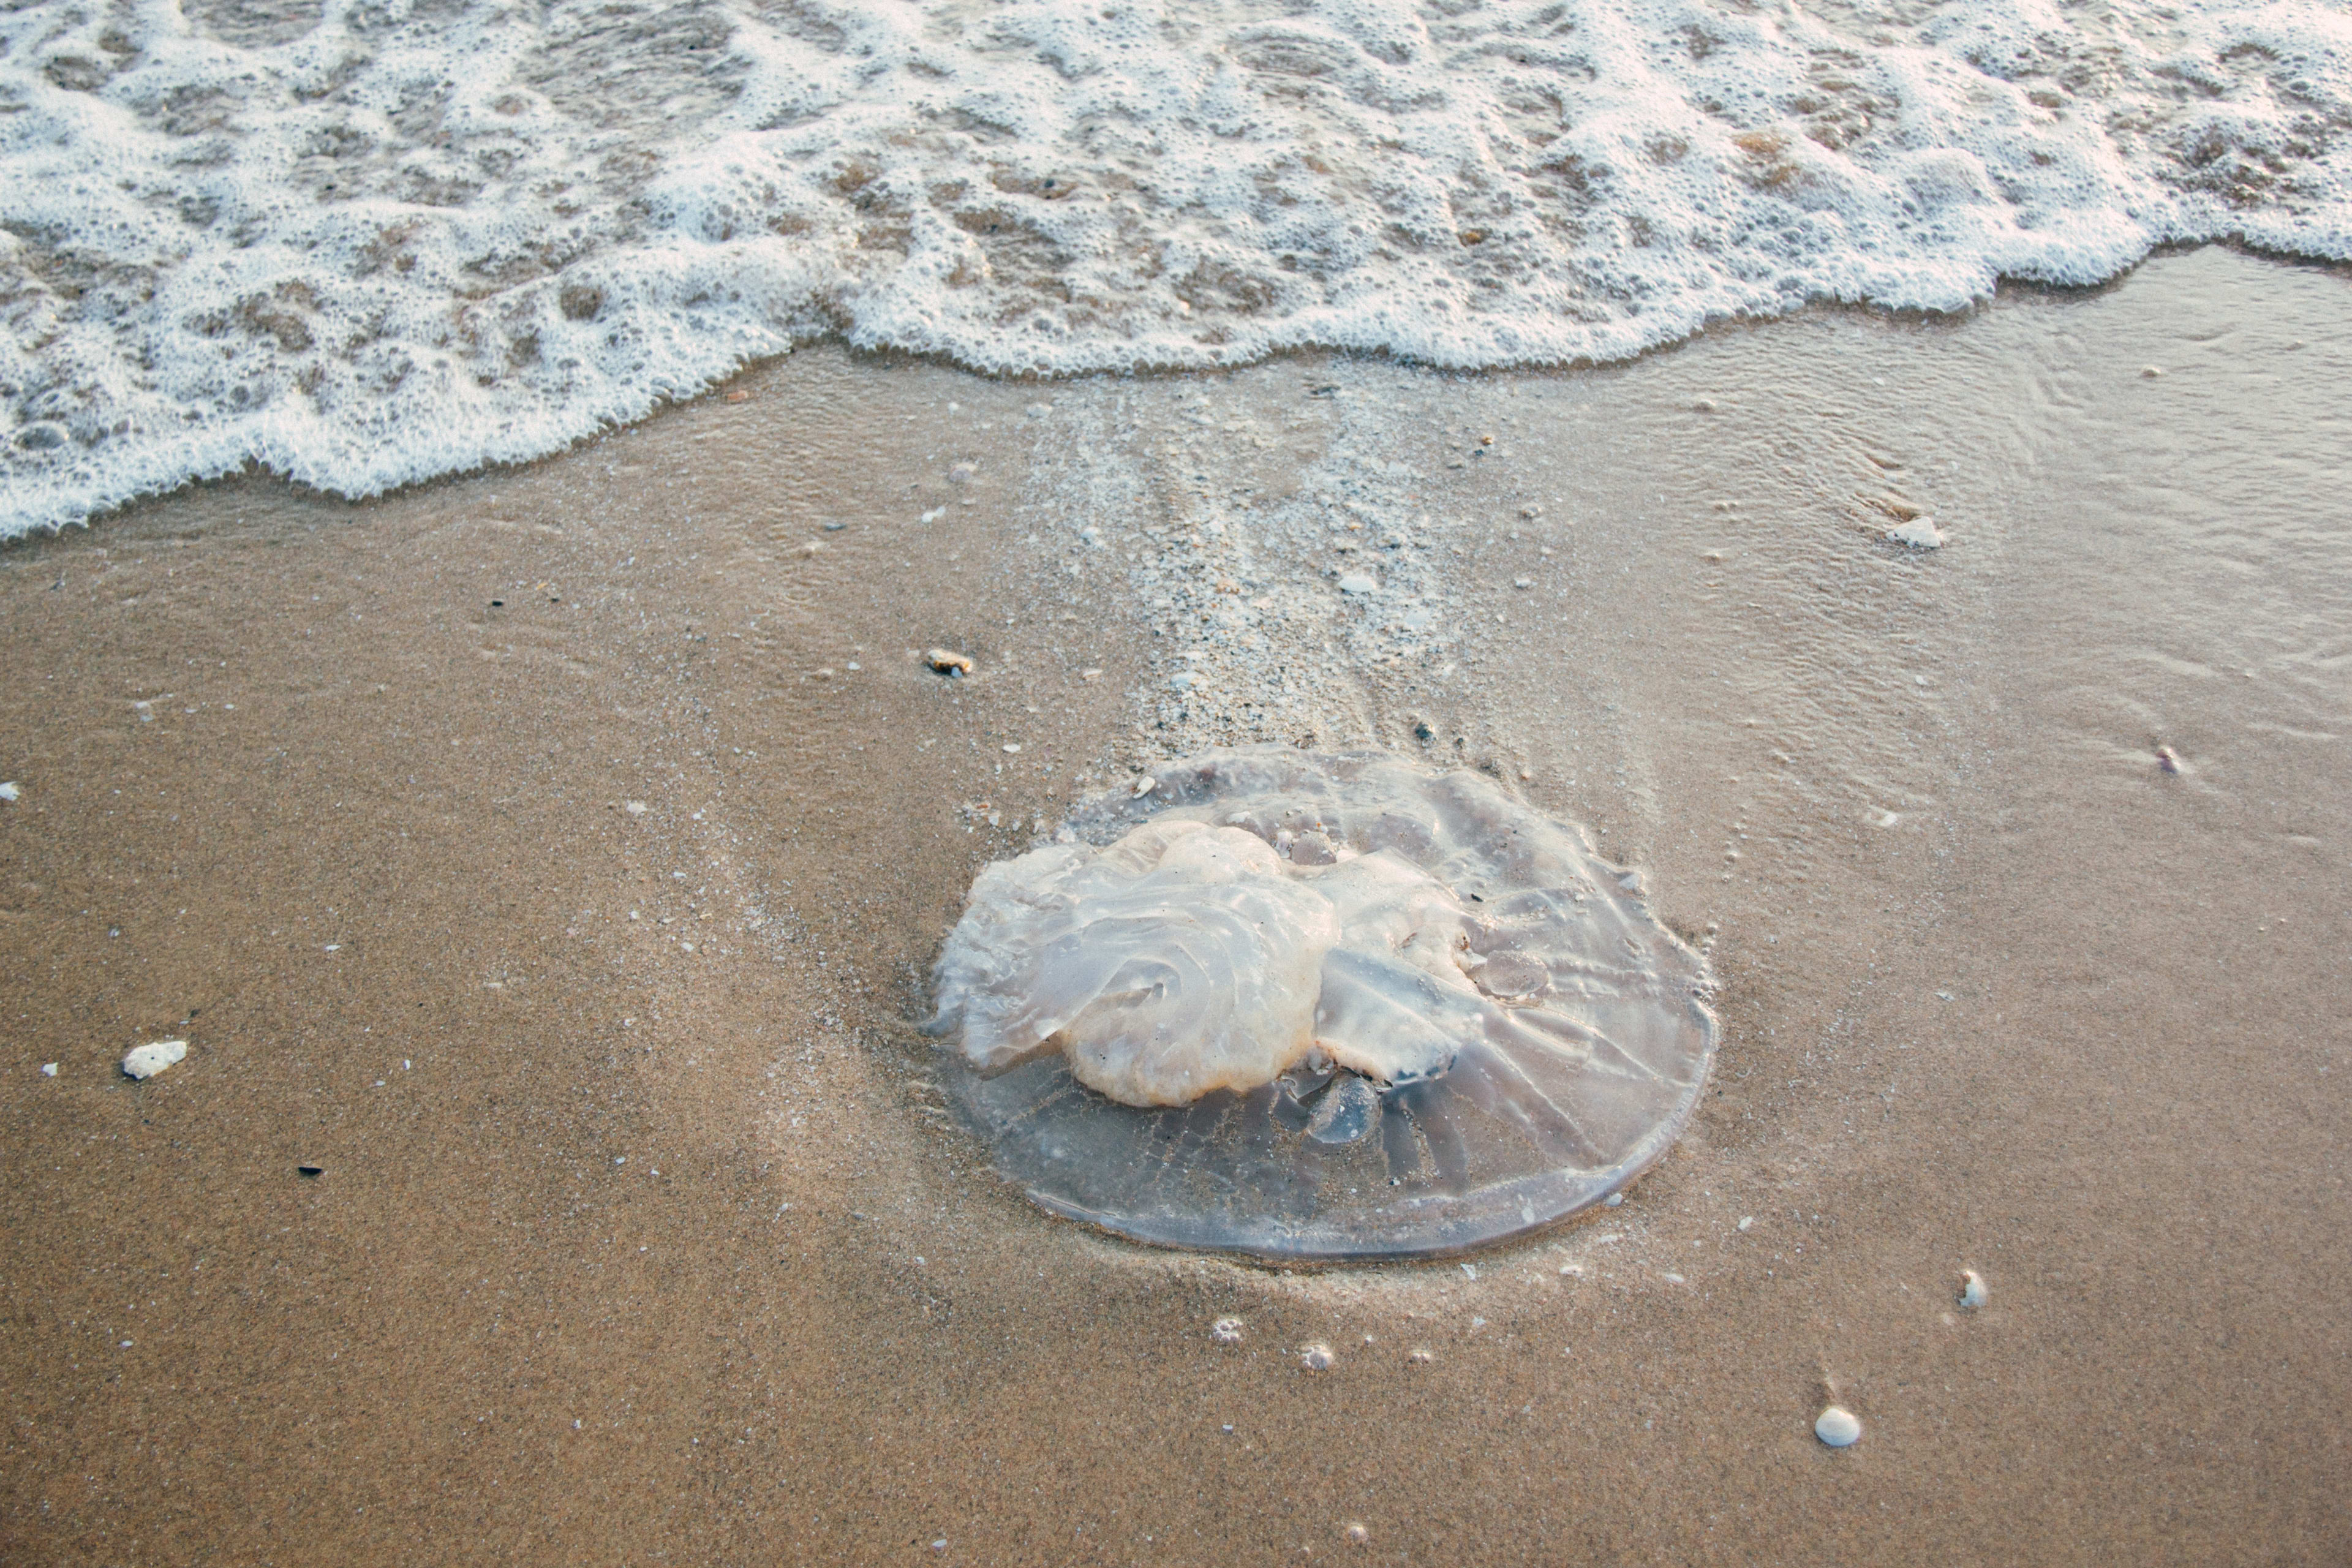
x=1972, y=1288
x=1838, y=1426
x=146, y=1061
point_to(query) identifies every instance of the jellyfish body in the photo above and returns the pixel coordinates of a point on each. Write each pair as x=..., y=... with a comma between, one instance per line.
x=1313, y=1006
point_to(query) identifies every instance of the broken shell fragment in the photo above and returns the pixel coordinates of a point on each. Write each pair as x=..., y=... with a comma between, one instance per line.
x=145, y=1061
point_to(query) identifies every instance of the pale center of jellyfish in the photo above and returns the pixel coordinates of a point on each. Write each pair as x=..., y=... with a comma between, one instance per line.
x=1185, y=959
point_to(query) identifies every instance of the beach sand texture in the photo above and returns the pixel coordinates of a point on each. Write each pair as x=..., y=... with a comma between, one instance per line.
x=553, y=859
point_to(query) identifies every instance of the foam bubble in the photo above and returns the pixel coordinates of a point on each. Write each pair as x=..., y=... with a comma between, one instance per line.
x=362, y=242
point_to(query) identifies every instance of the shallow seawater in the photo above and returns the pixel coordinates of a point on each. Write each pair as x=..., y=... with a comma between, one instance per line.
x=362, y=245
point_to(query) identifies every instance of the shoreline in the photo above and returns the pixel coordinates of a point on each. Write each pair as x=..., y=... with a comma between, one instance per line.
x=887, y=357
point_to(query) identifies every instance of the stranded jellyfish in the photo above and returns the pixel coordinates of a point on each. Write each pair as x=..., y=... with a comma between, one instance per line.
x=1319, y=1007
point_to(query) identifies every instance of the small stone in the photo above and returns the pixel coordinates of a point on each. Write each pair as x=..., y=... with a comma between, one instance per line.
x=1093, y=672
x=1613, y=1200
x=1011, y=749
x=1144, y=785
x=1973, y=1289
x=1357, y=1532
x=145, y=1061
x=1226, y=1330
x=635, y=808
x=1747, y=1221
x=311, y=1170
x=1421, y=1356
x=1523, y=582
x=1316, y=1357
x=2150, y=372
x=962, y=474
x=1358, y=582
x=1919, y=533
x=48, y=1069
x=2167, y=759
x=1838, y=1426
x=1702, y=406
x=738, y=396
x=948, y=662
x=9, y=790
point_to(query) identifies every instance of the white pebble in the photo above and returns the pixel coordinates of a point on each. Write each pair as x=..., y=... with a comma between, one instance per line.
x=145, y=1061
x=48, y=1069
x=1226, y=1330
x=1144, y=785
x=1972, y=1288
x=1747, y=1220
x=1316, y=1358
x=9, y=791
x=1838, y=1426
x=1613, y=1200
x=1358, y=582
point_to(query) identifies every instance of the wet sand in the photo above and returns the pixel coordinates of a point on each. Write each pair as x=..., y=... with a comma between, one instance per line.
x=553, y=858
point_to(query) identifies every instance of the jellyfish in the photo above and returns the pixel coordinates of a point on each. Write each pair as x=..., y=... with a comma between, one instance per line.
x=1319, y=1007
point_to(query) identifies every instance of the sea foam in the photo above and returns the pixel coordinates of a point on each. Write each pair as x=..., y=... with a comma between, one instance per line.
x=369, y=241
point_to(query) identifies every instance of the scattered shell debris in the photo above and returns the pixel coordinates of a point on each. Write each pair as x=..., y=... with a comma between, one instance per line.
x=948, y=662
x=1972, y=1288
x=145, y=1061
x=1838, y=1426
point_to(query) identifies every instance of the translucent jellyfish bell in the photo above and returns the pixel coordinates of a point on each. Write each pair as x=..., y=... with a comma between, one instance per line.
x=1319, y=1007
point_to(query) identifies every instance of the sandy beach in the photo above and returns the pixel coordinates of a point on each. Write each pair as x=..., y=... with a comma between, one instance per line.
x=553, y=858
